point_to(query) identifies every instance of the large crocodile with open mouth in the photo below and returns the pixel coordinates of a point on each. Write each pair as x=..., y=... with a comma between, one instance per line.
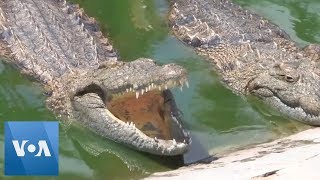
x=252, y=55
x=129, y=102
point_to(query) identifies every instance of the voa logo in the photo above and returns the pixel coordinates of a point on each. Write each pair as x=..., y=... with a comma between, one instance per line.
x=31, y=148
x=42, y=146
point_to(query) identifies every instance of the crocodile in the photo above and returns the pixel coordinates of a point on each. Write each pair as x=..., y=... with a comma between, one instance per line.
x=55, y=43
x=253, y=56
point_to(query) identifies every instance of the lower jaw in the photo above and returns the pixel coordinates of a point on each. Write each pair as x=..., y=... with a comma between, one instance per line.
x=90, y=110
x=294, y=113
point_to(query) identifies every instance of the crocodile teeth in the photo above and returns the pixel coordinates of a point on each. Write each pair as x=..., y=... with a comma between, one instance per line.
x=137, y=94
x=174, y=142
x=135, y=86
x=187, y=84
x=142, y=91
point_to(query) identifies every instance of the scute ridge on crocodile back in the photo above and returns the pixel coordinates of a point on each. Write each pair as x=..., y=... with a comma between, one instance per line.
x=47, y=30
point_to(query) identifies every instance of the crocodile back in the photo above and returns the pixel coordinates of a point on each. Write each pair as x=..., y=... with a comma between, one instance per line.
x=240, y=43
x=222, y=22
x=47, y=38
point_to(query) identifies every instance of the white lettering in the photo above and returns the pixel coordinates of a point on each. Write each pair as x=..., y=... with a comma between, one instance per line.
x=19, y=149
x=43, y=147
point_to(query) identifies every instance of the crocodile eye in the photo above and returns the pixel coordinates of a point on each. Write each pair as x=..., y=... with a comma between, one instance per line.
x=289, y=79
x=285, y=72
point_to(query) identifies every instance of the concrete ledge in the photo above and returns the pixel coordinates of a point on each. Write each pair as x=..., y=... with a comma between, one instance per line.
x=293, y=157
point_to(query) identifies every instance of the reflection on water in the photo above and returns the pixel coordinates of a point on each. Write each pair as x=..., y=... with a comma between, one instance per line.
x=300, y=19
x=217, y=119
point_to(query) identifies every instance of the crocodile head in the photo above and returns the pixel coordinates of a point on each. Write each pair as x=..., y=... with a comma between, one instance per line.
x=293, y=88
x=131, y=103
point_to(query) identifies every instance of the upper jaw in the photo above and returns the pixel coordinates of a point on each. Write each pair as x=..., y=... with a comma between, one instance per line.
x=298, y=112
x=304, y=108
x=141, y=89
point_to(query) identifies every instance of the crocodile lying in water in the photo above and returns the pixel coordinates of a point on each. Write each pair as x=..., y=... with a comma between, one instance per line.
x=253, y=56
x=129, y=102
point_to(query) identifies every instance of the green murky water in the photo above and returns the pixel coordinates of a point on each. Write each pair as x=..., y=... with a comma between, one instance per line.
x=217, y=119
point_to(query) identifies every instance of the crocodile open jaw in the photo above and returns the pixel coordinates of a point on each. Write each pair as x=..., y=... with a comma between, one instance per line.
x=149, y=110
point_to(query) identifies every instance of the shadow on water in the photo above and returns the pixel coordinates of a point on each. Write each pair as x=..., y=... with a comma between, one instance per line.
x=110, y=159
